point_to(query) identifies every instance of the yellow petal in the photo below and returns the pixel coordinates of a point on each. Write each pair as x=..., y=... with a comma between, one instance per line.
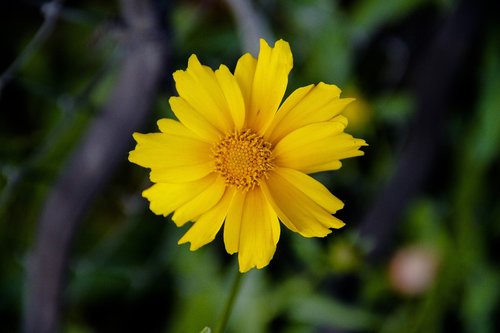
x=203, y=201
x=291, y=102
x=165, y=198
x=181, y=174
x=269, y=84
x=296, y=206
x=232, y=226
x=313, y=147
x=174, y=127
x=335, y=164
x=244, y=74
x=259, y=232
x=172, y=158
x=232, y=93
x=205, y=229
x=194, y=120
x=308, y=106
x=341, y=119
x=199, y=87
x=162, y=150
x=312, y=189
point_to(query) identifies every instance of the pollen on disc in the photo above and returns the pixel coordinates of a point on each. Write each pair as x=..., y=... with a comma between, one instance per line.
x=243, y=158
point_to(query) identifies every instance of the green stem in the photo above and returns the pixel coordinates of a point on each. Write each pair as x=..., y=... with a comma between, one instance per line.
x=221, y=327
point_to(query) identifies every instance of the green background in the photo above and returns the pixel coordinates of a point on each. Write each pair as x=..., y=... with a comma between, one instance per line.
x=126, y=272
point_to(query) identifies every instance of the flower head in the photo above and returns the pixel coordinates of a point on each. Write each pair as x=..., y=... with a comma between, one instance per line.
x=238, y=158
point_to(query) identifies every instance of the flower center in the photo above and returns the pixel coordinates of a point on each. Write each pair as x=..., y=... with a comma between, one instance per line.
x=242, y=158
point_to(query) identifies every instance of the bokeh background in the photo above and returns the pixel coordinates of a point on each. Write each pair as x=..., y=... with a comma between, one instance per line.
x=80, y=251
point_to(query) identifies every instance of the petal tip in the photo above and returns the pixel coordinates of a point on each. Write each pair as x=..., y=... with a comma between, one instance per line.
x=192, y=246
x=193, y=60
x=263, y=43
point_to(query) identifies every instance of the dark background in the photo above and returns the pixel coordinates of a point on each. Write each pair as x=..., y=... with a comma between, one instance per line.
x=81, y=252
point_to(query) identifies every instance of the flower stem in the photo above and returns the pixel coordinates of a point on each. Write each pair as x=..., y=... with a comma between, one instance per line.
x=221, y=327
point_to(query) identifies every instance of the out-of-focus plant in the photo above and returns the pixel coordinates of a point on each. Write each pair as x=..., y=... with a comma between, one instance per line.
x=126, y=272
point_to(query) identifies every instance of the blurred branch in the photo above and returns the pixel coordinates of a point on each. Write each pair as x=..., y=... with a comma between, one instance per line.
x=51, y=11
x=434, y=78
x=69, y=105
x=94, y=161
x=250, y=25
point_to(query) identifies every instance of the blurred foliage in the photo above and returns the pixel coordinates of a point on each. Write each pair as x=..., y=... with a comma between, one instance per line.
x=128, y=274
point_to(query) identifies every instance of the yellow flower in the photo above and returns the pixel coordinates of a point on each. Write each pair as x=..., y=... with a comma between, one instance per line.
x=236, y=157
